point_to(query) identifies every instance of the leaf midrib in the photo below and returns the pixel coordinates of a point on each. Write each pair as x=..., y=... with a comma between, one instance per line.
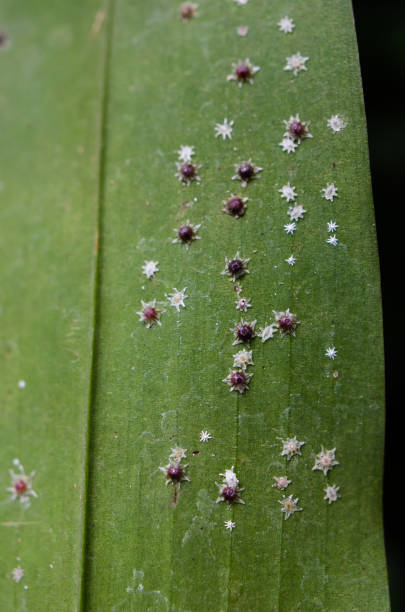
x=96, y=275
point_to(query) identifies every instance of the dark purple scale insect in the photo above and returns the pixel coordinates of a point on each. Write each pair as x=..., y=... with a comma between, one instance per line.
x=236, y=267
x=297, y=129
x=243, y=72
x=20, y=486
x=186, y=233
x=187, y=171
x=246, y=172
x=236, y=207
x=238, y=379
x=187, y=11
x=286, y=323
x=150, y=313
x=229, y=494
x=244, y=332
x=175, y=472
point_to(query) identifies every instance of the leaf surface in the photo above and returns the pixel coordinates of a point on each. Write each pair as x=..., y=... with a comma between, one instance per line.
x=160, y=83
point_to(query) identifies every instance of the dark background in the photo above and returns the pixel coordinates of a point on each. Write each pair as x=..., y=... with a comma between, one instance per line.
x=381, y=37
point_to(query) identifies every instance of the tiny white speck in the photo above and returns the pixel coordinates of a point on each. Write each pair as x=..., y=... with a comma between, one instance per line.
x=291, y=447
x=291, y=260
x=336, y=123
x=281, y=483
x=332, y=493
x=243, y=359
x=224, y=129
x=286, y=25
x=22, y=384
x=288, y=145
x=18, y=574
x=177, y=298
x=296, y=63
x=290, y=228
x=296, y=212
x=331, y=352
x=150, y=268
x=178, y=453
x=25, y=587
x=267, y=331
x=205, y=436
x=140, y=587
x=185, y=153
x=332, y=226
x=288, y=192
x=332, y=240
x=325, y=460
x=329, y=192
x=229, y=525
x=242, y=30
x=289, y=506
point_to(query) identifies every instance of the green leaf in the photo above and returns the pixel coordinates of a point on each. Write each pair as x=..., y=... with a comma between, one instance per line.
x=109, y=93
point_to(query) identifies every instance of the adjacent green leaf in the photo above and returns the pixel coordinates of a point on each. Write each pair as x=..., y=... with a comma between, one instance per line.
x=145, y=83
x=50, y=105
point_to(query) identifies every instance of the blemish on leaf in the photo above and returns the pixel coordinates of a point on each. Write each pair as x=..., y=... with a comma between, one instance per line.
x=188, y=10
x=97, y=23
x=3, y=39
